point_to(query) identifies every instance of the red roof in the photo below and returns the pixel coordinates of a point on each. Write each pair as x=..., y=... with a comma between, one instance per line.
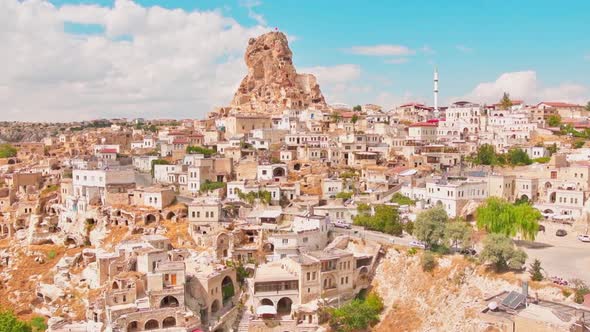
x=424, y=124
x=557, y=104
x=108, y=151
x=180, y=141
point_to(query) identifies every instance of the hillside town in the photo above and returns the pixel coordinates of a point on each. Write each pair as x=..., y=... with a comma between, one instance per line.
x=281, y=212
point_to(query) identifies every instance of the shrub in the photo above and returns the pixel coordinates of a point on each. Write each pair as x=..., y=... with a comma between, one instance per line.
x=428, y=261
x=536, y=271
x=402, y=200
x=51, y=254
x=566, y=293
x=345, y=195
x=412, y=251
x=580, y=290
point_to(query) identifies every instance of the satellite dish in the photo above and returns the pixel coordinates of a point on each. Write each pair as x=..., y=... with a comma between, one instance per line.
x=493, y=306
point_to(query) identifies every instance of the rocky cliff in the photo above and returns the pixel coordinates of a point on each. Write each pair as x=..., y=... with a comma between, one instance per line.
x=272, y=83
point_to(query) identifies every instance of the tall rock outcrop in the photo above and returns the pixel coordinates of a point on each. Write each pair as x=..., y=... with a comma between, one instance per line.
x=272, y=84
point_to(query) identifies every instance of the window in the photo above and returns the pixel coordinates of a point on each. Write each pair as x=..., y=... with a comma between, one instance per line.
x=313, y=275
x=305, y=240
x=308, y=276
x=285, y=241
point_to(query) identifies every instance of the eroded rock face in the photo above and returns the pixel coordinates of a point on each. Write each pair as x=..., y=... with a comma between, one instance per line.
x=272, y=84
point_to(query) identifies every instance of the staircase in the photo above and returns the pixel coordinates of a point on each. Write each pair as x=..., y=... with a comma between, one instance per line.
x=244, y=322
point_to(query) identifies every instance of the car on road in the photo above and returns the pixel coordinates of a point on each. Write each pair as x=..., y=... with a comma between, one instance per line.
x=584, y=237
x=341, y=224
x=561, y=232
x=417, y=244
x=468, y=251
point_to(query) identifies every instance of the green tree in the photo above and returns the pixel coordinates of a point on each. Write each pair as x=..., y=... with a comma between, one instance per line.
x=357, y=108
x=505, y=102
x=554, y=120
x=458, y=232
x=409, y=227
x=7, y=151
x=354, y=119
x=385, y=219
x=10, y=323
x=588, y=106
x=498, y=216
x=501, y=252
x=518, y=157
x=430, y=225
x=486, y=155
x=357, y=315
x=552, y=148
x=536, y=271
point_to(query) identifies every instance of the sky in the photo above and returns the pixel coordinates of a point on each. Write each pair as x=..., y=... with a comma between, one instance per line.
x=64, y=60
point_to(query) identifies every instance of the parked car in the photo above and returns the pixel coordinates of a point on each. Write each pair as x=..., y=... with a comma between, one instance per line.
x=468, y=251
x=584, y=237
x=341, y=224
x=561, y=232
x=417, y=244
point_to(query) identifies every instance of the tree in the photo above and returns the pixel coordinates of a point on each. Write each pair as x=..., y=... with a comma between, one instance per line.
x=458, y=232
x=486, y=155
x=409, y=227
x=385, y=219
x=498, y=216
x=7, y=151
x=10, y=323
x=500, y=251
x=517, y=156
x=536, y=271
x=554, y=120
x=552, y=148
x=357, y=315
x=354, y=119
x=588, y=106
x=357, y=108
x=430, y=225
x=210, y=186
x=505, y=103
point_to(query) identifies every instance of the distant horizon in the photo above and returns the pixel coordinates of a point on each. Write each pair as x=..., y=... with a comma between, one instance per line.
x=84, y=60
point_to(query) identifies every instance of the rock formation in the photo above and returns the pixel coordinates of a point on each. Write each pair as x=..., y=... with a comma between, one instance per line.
x=272, y=84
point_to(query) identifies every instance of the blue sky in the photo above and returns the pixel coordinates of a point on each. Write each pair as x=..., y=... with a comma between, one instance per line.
x=471, y=41
x=385, y=51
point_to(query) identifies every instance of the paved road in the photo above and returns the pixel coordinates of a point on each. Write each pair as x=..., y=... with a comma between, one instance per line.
x=565, y=257
x=381, y=238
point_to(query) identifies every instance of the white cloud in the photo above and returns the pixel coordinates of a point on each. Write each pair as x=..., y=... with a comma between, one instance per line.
x=340, y=83
x=427, y=50
x=171, y=63
x=334, y=74
x=464, y=49
x=250, y=5
x=382, y=50
x=396, y=61
x=524, y=85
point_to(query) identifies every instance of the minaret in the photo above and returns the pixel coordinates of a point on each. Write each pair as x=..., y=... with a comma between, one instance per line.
x=436, y=112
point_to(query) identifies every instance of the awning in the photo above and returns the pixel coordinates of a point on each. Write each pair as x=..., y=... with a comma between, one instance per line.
x=266, y=310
